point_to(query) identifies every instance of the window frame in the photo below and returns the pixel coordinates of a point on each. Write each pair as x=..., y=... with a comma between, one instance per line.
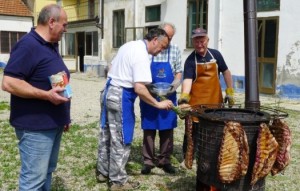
x=90, y=48
x=95, y=40
x=67, y=42
x=9, y=41
x=134, y=33
x=264, y=62
x=261, y=5
x=195, y=19
x=118, y=28
x=148, y=9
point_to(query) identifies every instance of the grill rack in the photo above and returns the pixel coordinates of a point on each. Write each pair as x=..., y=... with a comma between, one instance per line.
x=209, y=134
x=198, y=110
x=274, y=113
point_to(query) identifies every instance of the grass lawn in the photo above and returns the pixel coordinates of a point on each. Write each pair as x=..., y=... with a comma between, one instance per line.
x=77, y=161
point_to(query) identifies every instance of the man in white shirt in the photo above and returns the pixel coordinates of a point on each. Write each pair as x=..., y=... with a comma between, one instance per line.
x=128, y=75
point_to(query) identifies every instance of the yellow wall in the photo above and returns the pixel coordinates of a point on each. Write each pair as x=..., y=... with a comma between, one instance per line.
x=70, y=8
x=75, y=11
x=38, y=5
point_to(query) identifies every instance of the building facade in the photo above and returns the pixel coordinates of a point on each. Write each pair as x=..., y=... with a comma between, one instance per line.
x=80, y=46
x=277, y=39
x=97, y=28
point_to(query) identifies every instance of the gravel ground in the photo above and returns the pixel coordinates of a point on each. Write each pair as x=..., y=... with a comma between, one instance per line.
x=85, y=104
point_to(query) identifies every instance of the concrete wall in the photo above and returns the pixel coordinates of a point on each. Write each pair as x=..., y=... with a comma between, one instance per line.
x=109, y=6
x=288, y=65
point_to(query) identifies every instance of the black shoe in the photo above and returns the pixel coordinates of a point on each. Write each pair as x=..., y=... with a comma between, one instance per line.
x=146, y=169
x=168, y=168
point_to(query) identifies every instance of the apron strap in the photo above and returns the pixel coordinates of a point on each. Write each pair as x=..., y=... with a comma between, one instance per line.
x=168, y=55
x=103, y=113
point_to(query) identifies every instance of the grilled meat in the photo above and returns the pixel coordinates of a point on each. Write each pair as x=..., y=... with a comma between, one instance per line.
x=189, y=155
x=266, y=152
x=233, y=159
x=282, y=134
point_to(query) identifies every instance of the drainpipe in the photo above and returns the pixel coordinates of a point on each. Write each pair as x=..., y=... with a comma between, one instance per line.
x=219, y=25
x=99, y=21
x=251, y=64
x=102, y=17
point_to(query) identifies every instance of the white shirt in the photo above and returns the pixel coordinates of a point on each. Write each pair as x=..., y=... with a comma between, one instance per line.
x=130, y=65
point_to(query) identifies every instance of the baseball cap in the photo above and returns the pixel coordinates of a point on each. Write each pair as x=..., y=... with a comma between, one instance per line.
x=198, y=32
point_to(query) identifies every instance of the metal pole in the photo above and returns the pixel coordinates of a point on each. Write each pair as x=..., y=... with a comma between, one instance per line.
x=251, y=64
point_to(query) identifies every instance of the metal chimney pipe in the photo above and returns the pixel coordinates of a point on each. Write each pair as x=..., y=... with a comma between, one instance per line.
x=251, y=64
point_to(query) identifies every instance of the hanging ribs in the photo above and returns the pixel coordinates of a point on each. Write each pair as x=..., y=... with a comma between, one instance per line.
x=233, y=158
x=282, y=134
x=189, y=155
x=266, y=152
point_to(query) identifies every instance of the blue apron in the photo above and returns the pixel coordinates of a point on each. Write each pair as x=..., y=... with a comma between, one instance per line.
x=151, y=117
x=128, y=116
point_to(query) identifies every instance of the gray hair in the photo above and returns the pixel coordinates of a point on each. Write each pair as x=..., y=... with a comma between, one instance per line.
x=156, y=32
x=47, y=12
x=164, y=24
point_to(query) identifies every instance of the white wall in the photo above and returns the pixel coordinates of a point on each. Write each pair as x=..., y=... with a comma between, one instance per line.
x=289, y=29
x=230, y=34
x=18, y=24
x=179, y=20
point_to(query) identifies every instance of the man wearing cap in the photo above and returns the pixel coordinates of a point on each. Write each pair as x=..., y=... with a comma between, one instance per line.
x=201, y=84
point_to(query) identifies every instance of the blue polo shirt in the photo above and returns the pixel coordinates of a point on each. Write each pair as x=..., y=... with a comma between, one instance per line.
x=33, y=59
x=190, y=66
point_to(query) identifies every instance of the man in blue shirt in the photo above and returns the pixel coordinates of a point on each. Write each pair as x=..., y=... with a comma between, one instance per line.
x=201, y=86
x=39, y=113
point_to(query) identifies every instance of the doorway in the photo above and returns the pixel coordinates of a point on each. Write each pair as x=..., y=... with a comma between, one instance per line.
x=267, y=53
x=80, y=49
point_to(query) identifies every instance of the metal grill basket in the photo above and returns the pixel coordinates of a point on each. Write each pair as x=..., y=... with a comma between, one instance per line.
x=209, y=133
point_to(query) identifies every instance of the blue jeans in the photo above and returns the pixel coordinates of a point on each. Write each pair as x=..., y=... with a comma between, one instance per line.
x=39, y=155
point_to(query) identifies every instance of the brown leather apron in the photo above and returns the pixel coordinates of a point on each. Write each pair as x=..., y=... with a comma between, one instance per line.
x=206, y=88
